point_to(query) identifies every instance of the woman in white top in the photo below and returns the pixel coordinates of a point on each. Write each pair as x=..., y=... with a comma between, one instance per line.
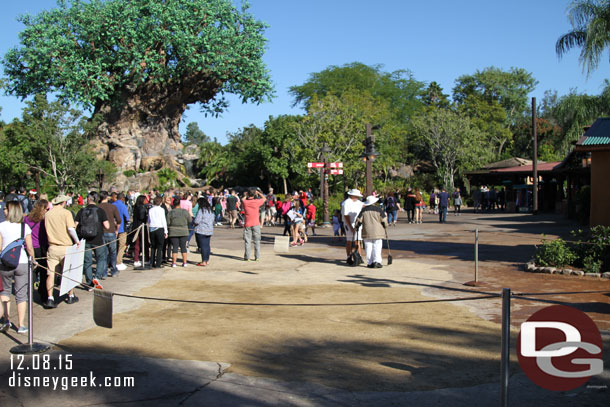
x=158, y=232
x=10, y=230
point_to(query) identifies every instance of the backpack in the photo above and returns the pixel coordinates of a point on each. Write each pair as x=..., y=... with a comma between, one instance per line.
x=89, y=223
x=11, y=253
x=389, y=203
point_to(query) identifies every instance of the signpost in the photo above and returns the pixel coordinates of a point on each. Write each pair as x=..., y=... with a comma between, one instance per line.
x=326, y=168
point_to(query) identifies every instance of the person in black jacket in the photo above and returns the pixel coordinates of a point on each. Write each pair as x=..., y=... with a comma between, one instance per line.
x=410, y=201
x=140, y=217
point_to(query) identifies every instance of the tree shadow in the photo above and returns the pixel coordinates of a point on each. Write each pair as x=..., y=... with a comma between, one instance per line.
x=313, y=259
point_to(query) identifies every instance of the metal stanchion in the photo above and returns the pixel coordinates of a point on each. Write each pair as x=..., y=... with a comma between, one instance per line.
x=475, y=282
x=31, y=346
x=505, y=364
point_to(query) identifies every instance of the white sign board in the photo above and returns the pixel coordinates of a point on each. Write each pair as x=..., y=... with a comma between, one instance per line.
x=73, y=268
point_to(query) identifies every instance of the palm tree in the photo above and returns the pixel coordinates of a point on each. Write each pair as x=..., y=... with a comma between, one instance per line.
x=590, y=21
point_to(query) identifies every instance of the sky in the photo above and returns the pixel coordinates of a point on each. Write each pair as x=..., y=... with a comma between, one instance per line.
x=437, y=40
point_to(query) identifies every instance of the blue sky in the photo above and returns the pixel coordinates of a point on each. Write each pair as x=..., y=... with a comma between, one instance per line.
x=437, y=40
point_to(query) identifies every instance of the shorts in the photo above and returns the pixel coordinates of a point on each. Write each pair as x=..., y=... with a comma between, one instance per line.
x=55, y=259
x=349, y=235
x=178, y=241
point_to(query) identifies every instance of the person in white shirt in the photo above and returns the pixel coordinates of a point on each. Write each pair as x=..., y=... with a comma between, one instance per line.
x=10, y=230
x=157, y=224
x=350, y=208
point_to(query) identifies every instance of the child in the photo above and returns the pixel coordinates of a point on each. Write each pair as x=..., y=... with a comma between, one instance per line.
x=311, y=218
x=336, y=223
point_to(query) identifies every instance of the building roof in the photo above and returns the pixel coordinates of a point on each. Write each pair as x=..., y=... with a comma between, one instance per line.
x=542, y=167
x=597, y=136
x=510, y=162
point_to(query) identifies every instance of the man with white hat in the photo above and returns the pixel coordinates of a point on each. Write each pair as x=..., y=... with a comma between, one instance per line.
x=350, y=208
x=374, y=222
x=61, y=234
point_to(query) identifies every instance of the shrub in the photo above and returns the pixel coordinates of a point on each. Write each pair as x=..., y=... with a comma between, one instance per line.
x=129, y=173
x=554, y=253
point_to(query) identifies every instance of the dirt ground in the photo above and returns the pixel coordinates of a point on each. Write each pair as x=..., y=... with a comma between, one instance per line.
x=305, y=316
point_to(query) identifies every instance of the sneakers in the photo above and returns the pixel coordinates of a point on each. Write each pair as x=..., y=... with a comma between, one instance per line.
x=184, y=264
x=50, y=304
x=378, y=265
x=115, y=274
x=137, y=264
x=121, y=267
x=96, y=284
x=372, y=265
x=5, y=326
x=72, y=299
x=22, y=330
x=174, y=265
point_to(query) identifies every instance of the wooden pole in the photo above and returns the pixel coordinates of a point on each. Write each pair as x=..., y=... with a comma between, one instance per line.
x=535, y=158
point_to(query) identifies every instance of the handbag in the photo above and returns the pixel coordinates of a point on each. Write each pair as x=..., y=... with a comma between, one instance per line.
x=12, y=252
x=354, y=259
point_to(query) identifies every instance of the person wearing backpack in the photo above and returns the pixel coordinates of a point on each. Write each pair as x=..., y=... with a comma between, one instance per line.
x=11, y=230
x=90, y=224
x=391, y=208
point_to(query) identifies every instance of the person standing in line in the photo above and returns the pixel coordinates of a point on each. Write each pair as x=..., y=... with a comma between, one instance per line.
x=167, y=207
x=178, y=225
x=40, y=243
x=374, y=223
x=410, y=206
x=122, y=231
x=204, y=229
x=91, y=221
x=140, y=217
x=61, y=234
x=457, y=202
x=111, y=234
x=11, y=230
x=232, y=204
x=157, y=225
x=252, y=228
x=443, y=205
x=350, y=208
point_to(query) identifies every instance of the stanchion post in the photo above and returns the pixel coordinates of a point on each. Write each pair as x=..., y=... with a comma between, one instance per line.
x=476, y=255
x=505, y=364
x=31, y=346
x=144, y=247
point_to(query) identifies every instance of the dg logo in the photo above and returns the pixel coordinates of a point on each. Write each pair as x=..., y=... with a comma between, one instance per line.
x=560, y=348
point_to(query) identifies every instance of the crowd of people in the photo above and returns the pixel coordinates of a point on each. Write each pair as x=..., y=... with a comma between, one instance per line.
x=154, y=227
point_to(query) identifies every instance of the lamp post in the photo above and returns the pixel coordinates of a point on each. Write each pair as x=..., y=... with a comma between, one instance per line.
x=369, y=156
x=324, y=184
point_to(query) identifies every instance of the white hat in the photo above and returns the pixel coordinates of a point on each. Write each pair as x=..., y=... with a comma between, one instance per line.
x=370, y=200
x=354, y=192
x=59, y=199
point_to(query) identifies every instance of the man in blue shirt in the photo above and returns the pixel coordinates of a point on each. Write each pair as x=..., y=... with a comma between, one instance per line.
x=443, y=205
x=119, y=202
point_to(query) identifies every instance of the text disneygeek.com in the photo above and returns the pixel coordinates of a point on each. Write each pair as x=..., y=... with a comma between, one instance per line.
x=21, y=367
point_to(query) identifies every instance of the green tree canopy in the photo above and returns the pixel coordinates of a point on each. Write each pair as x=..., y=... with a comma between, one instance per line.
x=194, y=135
x=590, y=20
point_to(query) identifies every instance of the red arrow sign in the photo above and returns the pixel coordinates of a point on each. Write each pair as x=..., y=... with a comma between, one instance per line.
x=315, y=165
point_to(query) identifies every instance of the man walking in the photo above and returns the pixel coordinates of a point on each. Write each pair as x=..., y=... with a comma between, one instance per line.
x=232, y=203
x=350, y=208
x=61, y=234
x=443, y=198
x=252, y=226
x=111, y=234
x=90, y=224
x=374, y=223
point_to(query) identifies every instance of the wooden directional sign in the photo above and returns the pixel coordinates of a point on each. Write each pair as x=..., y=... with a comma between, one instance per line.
x=336, y=172
x=335, y=165
x=315, y=165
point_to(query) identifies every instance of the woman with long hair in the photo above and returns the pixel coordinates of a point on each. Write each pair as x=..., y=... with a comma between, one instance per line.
x=140, y=217
x=35, y=220
x=419, y=207
x=204, y=229
x=10, y=230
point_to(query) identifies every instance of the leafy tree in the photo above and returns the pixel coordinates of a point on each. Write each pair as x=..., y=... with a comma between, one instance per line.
x=277, y=147
x=550, y=140
x=51, y=139
x=510, y=89
x=399, y=88
x=194, y=135
x=590, y=20
x=139, y=63
x=433, y=96
x=214, y=161
x=453, y=143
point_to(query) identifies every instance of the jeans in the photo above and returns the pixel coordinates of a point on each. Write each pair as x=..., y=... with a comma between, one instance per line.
x=111, y=237
x=252, y=232
x=101, y=254
x=442, y=214
x=191, y=233
x=203, y=242
x=391, y=216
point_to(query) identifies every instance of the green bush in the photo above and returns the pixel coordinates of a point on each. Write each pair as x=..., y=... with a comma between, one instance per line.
x=592, y=265
x=129, y=173
x=554, y=253
x=593, y=248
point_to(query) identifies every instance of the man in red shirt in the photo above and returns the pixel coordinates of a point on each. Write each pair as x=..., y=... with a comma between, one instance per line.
x=252, y=226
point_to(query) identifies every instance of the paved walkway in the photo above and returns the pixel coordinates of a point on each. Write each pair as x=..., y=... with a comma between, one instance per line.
x=389, y=349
